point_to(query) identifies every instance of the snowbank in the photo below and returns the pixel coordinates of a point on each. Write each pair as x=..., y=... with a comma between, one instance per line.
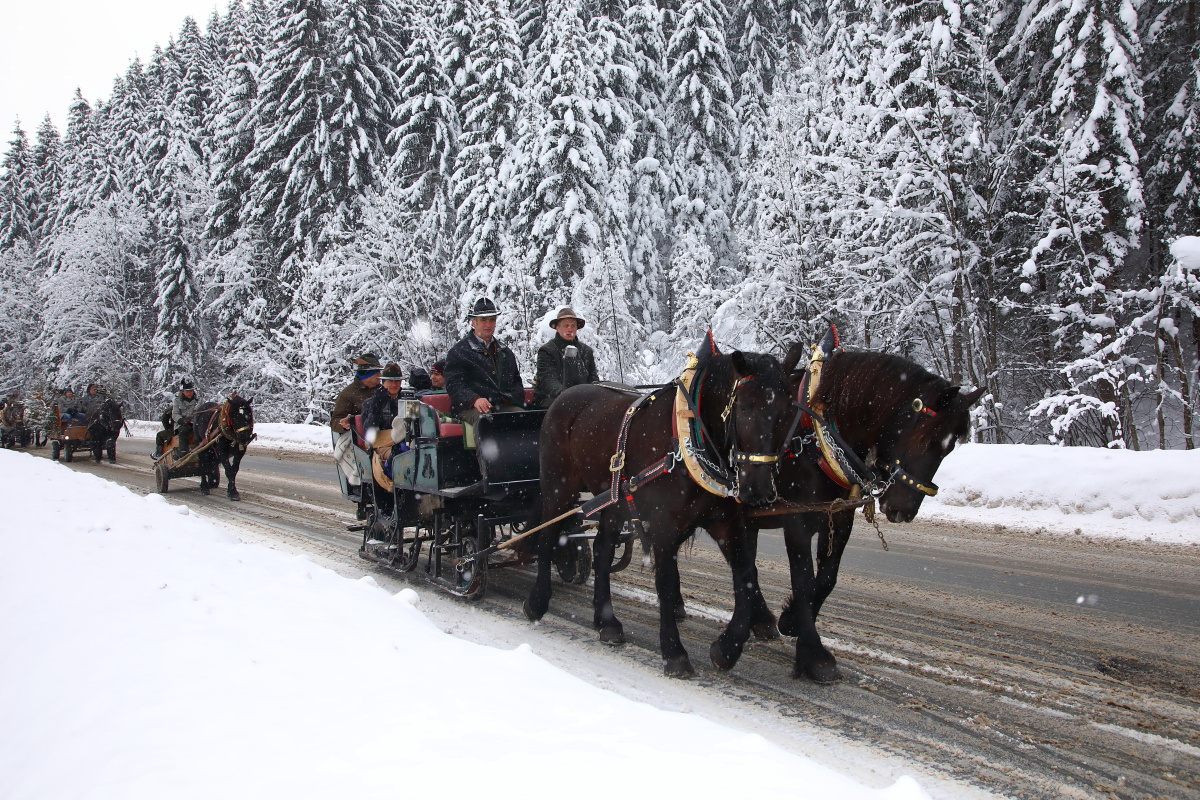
x=146, y=654
x=1147, y=494
x=285, y=436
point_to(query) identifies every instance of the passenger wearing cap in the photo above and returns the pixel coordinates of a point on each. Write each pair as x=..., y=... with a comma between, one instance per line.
x=179, y=420
x=481, y=371
x=564, y=361
x=437, y=375
x=348, y=403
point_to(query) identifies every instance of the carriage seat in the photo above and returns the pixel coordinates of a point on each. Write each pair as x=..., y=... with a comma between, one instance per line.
x=441, y=404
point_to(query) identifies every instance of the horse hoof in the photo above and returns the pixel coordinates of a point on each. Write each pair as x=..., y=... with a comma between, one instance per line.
x=722, y=660
x=612, y=634
x=824, y=674
x=764, y=631
x=530, y=614
x=679, y=667
x=233, y=495
x=204, y=491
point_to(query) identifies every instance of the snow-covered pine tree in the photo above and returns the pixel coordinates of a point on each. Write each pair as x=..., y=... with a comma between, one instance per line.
x=1092, y=216
x=18, y=192
x=489, y=122
x=652, y=179
x=233, y=132
x=563, y=174
x=47, y=176
x=705, y=128
x=290, y=196
x=364, y=81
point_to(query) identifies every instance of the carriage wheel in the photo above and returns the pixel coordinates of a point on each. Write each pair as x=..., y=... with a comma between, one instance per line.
x=161, y=479
x=470, y=583
x=574, y=561
x=409, y=552
x=55, y=449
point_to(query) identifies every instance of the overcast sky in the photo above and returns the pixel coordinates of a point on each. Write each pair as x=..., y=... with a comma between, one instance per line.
x=50, y=47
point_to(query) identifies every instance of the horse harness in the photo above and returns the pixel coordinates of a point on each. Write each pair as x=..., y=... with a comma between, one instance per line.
x=706, y=471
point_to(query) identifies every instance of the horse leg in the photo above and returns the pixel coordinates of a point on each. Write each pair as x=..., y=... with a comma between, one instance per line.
x=206, y=468
x=798, y=619
x=732, y=537
x=676, y=663
x=829, y=559
x=231, y=471
x=604, y=548
x=538, y=602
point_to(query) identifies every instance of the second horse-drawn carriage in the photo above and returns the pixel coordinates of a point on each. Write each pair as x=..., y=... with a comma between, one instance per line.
x=459, y=497
x=95, y=431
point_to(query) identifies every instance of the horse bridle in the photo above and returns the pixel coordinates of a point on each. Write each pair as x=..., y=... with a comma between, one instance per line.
x=895, y=470
x=740, y=456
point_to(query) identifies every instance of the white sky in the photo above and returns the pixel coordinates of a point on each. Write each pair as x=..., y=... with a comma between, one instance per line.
x=50, y=47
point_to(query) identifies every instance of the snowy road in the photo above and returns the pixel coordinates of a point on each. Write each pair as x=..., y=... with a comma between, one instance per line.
x=1031, y=665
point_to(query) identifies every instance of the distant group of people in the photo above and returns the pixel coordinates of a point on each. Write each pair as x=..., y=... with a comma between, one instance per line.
x=73, y=410
x=480, y=375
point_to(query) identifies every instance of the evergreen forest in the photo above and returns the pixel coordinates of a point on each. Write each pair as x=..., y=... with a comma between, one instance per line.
x=1005, y=191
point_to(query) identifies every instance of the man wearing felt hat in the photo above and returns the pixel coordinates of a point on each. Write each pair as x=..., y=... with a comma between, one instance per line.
x=348, y=403
x=564, y=361
x=481, y=371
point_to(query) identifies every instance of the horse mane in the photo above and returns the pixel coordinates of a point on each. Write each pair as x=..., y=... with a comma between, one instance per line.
x=867, y=379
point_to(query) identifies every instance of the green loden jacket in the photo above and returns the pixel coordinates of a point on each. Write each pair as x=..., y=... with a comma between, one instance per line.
x=554, y=373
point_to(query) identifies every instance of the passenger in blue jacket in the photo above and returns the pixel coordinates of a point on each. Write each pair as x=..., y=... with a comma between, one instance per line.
x=481, y=371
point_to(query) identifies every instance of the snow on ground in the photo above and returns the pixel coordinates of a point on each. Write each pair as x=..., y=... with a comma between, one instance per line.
x=1139, y=495
x=145, y=653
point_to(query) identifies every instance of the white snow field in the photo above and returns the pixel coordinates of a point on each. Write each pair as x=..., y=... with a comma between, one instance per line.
x=146, y=653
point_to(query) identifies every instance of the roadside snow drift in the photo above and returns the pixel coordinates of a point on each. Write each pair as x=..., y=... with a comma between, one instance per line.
x=146, y=654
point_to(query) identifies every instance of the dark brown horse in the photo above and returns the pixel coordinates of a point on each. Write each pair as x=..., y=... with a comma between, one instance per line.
x=230, y=427
x=901, y=421
x=745, y=406
x=104, y=423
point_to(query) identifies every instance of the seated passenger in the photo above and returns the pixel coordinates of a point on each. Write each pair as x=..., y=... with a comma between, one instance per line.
x=69, y=410
x=437, y=375
x=349, y=402
x=481, y=371
x=178, y=421
x=420, y=381
x=382, y=425
x=558, y=365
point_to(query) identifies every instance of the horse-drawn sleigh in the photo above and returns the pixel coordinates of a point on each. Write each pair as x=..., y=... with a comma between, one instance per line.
x=225, y=429
x=460, y=504
x=737, y=443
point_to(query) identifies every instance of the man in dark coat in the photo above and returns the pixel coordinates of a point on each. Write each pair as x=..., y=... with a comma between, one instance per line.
x=481, y=371
x=558, y=365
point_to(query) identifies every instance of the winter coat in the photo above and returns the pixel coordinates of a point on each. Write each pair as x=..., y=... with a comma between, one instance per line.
x=555, y=372
x=380, y=409
x=473, y=371
x=182, y=409
x=349, y=402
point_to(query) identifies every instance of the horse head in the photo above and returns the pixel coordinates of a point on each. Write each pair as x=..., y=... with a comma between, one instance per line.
x=746, y=396
x=239, y=419
x=920, y=433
